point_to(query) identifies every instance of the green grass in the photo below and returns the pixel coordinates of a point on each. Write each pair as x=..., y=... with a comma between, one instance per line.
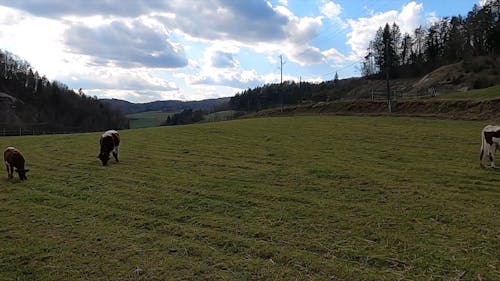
x=148, y=119
x=481, y=94
x=220, y=116
x=293, y=198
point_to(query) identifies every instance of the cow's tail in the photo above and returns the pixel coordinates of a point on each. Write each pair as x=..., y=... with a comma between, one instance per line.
x=483, y=146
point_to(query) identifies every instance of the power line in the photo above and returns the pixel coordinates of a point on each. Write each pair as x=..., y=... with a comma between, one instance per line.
x=339, y=30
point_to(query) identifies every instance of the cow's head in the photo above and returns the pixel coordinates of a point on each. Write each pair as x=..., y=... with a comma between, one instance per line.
x=22, y=173
x=104, y=158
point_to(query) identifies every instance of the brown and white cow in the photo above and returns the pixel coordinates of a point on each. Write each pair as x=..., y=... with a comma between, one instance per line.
x=110, y=141
x=14, y=161
x=490, y=142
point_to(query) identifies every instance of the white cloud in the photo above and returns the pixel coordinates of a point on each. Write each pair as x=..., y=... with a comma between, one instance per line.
x=363, y=29
x=119, y=78
x=431, y=18
x=283, y=2
x=235, y=78
x=111, y=47
x=136, y=96
x=334, y=55
x=221, y=55
x=243, y=21
x=126, y=43
x=331, y=9
x=410, y=17
x=136, y=85
x=27, y=37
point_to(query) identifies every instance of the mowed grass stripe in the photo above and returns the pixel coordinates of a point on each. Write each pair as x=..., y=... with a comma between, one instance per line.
x=304, y=198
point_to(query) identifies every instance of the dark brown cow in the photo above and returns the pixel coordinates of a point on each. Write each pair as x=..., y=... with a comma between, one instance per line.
x=14, y=161
x=110, y=141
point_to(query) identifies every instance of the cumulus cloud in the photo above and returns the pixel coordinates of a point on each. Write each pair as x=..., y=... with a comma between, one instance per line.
x=364, y=29
x=127, y=45
x=119, y=78
x=410, y=17
x=331, y=9
x=63, y=8
x=209, y=19
x=134, y=36
x=222, y=59
x=27, y=37
x=300, y=31
x=239, y=79
x=247, y=22
x=334, y=55
x=244, y=21
x=140, y=96
x=136, y=85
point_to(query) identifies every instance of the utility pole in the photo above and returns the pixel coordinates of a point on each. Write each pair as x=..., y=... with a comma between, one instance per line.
x=387, y=65
x=281, y=81
x=281, y=68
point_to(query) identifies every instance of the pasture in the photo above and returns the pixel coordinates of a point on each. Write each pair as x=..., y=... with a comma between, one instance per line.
x=291, y=198
x=147, y=119
x=480, y=94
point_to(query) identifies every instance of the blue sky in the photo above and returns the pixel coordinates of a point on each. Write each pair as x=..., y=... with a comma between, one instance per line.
x=143, y=51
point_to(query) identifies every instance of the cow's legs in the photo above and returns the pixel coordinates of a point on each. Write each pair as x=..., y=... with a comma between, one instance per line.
x=115, y=153
x=491, y=153
x=481, y=157
x=10, y=170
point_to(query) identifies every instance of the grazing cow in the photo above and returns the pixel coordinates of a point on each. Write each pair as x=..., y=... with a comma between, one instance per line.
x=490, y=142
x=110, y=141
x=14, y=161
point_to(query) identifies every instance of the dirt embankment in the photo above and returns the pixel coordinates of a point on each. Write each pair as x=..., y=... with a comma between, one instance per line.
x=449, y=109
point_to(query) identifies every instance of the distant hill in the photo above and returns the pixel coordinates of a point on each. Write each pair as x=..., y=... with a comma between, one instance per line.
x=169, y=105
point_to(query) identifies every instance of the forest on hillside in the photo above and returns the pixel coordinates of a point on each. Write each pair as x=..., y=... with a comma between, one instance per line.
x=445, y=41
x=30, y=101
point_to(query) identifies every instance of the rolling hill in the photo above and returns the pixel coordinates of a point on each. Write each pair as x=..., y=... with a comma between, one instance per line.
x=170, y=105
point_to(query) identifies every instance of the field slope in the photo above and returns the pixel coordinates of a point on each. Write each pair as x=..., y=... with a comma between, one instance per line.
x=293, y=198
x=148, y=119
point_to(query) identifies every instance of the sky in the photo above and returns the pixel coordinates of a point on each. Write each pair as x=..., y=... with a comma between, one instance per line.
x=149, y=50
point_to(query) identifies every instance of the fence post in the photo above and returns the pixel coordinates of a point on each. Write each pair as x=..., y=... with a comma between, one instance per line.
x=20, y=131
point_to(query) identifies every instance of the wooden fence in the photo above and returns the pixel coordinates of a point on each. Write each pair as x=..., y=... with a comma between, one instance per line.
x=7, y=132
x=399, y=95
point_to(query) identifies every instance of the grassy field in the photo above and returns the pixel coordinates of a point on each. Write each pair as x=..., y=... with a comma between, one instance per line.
x=480, y=94
x=220, y=116
x=292, y=198
x=148, y=119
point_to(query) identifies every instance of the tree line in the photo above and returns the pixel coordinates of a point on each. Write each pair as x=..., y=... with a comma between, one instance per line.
x=445, y=41
x=50, y=105
x=185, y=117
x=290, y=93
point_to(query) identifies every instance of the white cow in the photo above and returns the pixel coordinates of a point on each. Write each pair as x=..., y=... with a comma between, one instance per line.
x=490, y=142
